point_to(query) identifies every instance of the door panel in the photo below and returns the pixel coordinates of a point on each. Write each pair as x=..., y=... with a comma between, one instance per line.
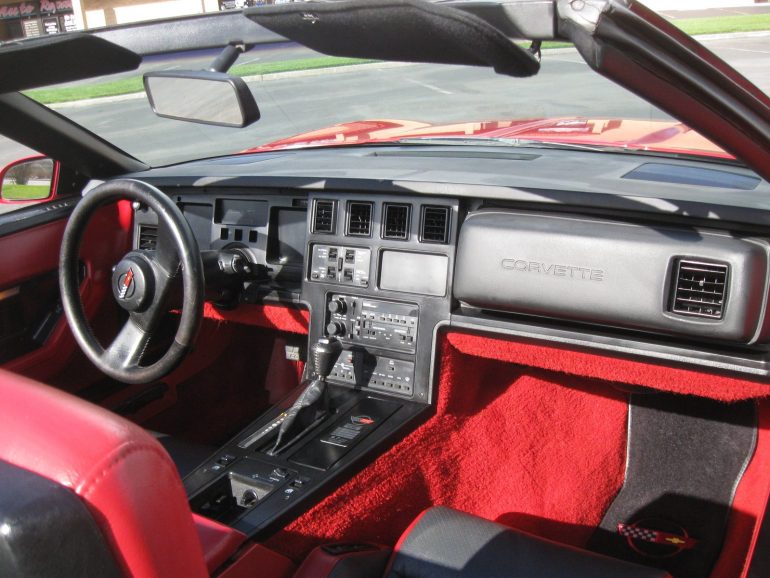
x=39, y=343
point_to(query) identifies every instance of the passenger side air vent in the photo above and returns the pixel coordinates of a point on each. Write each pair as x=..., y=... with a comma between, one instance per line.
x=148, y=237
x=395, y=222
x=700, y=289
x=323, y=217
x=359, y=219
x=434, y=225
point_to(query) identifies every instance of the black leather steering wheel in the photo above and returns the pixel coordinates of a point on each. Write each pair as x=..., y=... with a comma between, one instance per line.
x=141, y=284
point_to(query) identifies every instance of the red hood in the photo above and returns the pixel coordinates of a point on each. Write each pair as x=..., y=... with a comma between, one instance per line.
x=650, y=135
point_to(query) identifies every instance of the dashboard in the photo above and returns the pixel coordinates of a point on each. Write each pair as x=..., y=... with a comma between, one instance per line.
x=385, y=247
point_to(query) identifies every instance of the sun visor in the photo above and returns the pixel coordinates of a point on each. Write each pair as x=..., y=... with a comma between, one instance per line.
x=60, y=58
x=398, y=30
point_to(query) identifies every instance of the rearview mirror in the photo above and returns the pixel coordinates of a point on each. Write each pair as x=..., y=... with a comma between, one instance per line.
x=201, y=96
x=29, y=179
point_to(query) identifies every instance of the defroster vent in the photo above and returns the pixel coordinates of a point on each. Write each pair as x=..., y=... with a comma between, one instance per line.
x=700, y=288
x=434, y=225
x=395, y=222
x=148, y=237
x=323, y=217
x=359, y=219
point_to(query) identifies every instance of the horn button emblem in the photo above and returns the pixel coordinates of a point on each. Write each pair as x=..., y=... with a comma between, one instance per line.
x=126, y=285
x=132, y=284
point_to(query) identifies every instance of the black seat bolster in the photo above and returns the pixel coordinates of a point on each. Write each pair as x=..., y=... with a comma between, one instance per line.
x=46, y=531
x=445, y=543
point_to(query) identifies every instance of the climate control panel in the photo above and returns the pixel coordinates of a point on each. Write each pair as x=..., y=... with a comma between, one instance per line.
x=340, y=264
x=372, y=322
x=363, y=369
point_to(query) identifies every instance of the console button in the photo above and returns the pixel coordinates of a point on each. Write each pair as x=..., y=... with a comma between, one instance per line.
x=337, y=306
x=279, y=473
x=335, y=328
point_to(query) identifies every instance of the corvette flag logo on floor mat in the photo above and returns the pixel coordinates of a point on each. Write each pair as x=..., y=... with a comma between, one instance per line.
x=636, y=532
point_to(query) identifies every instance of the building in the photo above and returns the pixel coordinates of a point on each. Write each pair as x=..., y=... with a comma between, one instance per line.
x=37, y=17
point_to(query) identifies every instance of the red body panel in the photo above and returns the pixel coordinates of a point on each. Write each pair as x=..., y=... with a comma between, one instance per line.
x=646, y=135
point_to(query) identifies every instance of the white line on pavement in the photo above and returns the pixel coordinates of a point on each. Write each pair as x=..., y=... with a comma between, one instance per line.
x=746, y=50
x=428, y=86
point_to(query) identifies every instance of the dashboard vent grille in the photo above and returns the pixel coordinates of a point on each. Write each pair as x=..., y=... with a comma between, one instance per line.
x=359, y=219
x=396, y=222
x=700, y=289
x=323, y=217
x=434, y=225
x=148, y=238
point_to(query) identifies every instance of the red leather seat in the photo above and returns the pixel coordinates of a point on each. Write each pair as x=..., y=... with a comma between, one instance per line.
x=121, y=473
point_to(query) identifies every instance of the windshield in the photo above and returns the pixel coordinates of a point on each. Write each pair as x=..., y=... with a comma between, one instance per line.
x=300, y=91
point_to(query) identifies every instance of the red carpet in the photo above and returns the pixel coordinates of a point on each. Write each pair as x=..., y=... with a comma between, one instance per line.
x=608, y=368
x=541, y=451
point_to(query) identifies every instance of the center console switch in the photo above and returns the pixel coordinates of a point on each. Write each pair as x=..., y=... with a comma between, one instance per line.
x=372, y=322
x=362, y=369
x=340, y=264
x=249, y=483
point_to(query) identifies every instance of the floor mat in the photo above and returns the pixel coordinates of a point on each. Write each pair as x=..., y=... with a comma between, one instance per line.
x=686, y=456
x=541, y=451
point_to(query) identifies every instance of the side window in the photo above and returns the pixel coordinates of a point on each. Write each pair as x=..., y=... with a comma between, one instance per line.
x=26, y=177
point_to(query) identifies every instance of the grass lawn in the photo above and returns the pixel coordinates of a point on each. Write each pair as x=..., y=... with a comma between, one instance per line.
x=25, y=192
x=693, y=26
x=723, y=24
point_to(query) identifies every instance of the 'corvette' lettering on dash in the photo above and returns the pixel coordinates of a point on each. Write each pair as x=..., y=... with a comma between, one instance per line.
x=556, y=270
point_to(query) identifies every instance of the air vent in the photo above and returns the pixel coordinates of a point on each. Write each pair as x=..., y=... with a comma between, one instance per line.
x=700, y=289
x=434, y=225
x=323, y=217
x=395, y=222
x=359, y=219
x=148, y=237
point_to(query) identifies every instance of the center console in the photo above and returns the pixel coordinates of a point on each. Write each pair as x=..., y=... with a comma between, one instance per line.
x=376, y=278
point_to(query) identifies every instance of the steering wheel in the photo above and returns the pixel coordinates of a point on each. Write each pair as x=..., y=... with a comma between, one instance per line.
x=141, y=284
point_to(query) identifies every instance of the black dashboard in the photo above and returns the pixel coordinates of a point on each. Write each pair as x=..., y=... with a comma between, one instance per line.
x=384, y=246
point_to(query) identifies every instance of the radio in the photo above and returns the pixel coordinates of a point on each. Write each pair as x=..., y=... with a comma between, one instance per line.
x=371, y=322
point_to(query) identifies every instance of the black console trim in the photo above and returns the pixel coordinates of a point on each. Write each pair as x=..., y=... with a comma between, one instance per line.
x=287, y=484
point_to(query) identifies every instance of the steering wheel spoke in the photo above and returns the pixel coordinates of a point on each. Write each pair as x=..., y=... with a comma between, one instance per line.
x=166, y=254
x=128, y=347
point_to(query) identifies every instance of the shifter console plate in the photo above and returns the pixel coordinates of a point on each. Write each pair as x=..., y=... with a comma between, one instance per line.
x=355, y=424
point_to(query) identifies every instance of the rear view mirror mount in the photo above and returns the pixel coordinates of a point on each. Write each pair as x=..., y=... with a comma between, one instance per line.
x=202, y=96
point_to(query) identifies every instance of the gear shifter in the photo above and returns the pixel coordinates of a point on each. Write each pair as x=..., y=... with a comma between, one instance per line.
x=312, y=404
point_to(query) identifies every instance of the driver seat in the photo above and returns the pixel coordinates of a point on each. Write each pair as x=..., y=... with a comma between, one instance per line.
x=119, y=474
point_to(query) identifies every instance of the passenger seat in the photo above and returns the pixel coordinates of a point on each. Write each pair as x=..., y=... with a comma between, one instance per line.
x=445, y=543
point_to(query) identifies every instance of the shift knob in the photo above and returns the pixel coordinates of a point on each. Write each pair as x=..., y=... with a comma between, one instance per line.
x=324, y=354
